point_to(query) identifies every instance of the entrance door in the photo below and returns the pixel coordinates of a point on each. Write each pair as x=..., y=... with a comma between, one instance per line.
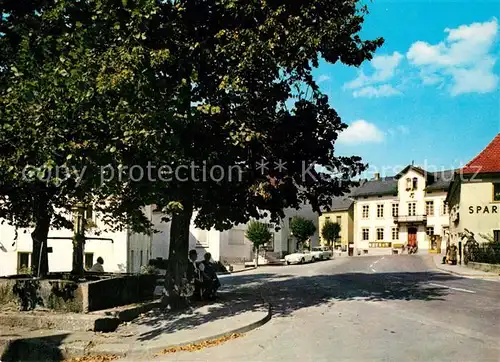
x=412, y=237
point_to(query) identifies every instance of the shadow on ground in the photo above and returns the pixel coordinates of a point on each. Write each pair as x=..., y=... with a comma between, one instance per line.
x=289, y=294
x=34, y=349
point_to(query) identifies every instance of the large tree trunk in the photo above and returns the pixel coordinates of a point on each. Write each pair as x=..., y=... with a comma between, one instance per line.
x=40, y=257
x=178, y=256
x=256, y=250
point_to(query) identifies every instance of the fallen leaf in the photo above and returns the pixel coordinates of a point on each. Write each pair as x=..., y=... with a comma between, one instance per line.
x=198, y=346
x=98, y=358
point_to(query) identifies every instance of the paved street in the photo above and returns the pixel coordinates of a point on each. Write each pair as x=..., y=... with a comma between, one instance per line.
x=392, y=308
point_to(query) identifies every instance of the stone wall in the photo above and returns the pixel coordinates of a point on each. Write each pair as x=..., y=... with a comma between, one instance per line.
x=120, y=290
x=69, y=296
x=489, y=268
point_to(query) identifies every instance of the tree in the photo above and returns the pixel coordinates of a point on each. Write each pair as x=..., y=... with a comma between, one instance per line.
x=66, y=82
x=330, y=232
x=215, y=84
x=258, y=234
x=302, y=229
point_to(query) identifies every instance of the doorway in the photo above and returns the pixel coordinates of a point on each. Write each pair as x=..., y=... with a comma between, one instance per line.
x=412, y=236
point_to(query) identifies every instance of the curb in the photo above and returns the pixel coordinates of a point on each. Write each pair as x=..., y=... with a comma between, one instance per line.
x=79, y=350
x=118, y=349
x=238, y=271
x=462, y=274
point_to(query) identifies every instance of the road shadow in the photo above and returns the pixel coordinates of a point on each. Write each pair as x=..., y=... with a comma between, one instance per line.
x=34, y=349
x=289, y=294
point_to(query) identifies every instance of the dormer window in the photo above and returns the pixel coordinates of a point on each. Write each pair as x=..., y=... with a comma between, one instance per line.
x=408, y=184
x=415, y=183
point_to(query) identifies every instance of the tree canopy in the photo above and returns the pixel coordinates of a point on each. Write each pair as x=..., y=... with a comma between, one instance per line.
x=302, y=229
x=330, y=232
x=258, y=233
x=187, y=86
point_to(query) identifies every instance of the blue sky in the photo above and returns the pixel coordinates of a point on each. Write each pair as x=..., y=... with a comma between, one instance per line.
x=431, y=94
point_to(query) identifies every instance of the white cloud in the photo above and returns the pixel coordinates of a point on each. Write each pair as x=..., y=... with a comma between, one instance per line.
x=465, y=59
x=384, y=90
x=323, y=78
x=384, y=67
x=361, y=131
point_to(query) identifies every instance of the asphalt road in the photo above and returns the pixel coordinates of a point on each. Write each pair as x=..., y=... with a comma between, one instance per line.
x=392, y=308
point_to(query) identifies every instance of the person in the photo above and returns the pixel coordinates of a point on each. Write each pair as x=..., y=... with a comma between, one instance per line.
x=97, y=267
x=193, y=274
x=209, y=275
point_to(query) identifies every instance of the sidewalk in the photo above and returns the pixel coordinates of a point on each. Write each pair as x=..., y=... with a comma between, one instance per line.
x=461, y=270
x=151, y=333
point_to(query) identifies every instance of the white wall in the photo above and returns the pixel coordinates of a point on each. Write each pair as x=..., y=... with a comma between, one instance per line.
x=373, y=222
x=114, y=253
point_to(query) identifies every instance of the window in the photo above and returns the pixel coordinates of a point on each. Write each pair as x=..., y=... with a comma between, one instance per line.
x=408, y=184
x=496, y=192
x=429, y=208
x=132, y=262
x=23, y=261
x=142, y=256
x=415, y=183
x=395, y=233
x=380, y=210
x=89, y=260
x=380, y=234
x=395, y=210
x=496, y=236
x=327, y=218
x=270, y=226
x=366, y=211
x=89, y=213
x=430, y=230
x=412, y=209
x=445, y=208
x=339, y=220
x=366, y=234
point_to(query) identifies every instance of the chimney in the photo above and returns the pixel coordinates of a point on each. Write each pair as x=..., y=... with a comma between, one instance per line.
x=377, y=176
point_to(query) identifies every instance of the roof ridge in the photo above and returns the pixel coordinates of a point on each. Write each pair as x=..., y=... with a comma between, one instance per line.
x=495, y=142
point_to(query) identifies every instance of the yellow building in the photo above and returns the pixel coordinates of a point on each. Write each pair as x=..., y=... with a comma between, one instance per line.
x=342, y=213
x=474, y=197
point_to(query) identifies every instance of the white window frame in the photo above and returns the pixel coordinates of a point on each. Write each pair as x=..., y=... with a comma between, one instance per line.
x=380, y=211
x=395, y=233
x=367, y=207
x=381, y=231
x=367, y=234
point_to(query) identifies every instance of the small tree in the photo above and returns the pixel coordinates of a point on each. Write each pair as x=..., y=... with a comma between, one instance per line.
x=302, y=229
x=330, y=232
x=258, y=234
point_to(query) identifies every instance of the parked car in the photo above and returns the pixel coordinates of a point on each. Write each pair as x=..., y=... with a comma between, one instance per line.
x=299, y=257
x=321, y=253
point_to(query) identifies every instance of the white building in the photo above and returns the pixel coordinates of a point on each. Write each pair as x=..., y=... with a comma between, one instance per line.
x=126, y=251
x=122, y=251
x=406, y=209
x=474, y=197
x=231, y=245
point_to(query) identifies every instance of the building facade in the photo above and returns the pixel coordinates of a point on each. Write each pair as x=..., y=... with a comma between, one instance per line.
x=342, y=213
x=231, y=245
x=404, y=210
x=474, y=197
x=122, y=251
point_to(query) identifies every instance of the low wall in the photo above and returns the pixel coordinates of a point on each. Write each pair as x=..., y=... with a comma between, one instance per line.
x=121, y=290
x=69, y=296
x=491, y=268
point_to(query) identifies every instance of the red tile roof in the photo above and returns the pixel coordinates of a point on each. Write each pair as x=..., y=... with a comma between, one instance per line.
x=488, y=161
